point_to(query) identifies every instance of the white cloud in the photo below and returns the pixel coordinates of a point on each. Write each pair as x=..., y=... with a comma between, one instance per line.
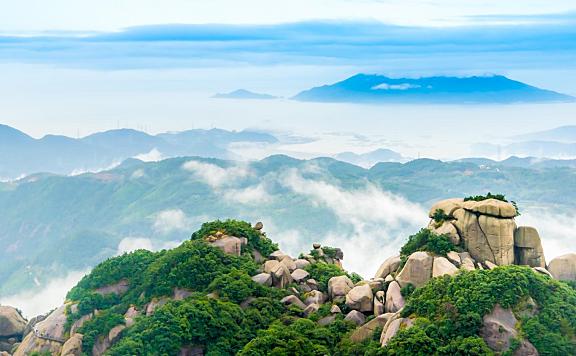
x=137, y=174
x=216, y=176
x=359, y=206
x=33, y=303
x=153, y=156
x=403, y=86
x=171, y=220
x=256, y=194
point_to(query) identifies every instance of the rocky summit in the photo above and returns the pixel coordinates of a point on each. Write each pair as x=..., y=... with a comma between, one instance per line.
x=470, y=283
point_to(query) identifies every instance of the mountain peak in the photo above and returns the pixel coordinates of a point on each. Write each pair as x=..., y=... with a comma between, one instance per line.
x=243, y=94
x=375, y=88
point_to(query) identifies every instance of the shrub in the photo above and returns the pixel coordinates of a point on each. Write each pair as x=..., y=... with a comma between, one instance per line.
x=426, y=240
x=256, y=240
x=440, y=216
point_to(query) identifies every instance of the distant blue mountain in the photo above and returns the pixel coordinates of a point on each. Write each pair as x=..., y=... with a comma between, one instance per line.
x=243, y=94
x=365, y=88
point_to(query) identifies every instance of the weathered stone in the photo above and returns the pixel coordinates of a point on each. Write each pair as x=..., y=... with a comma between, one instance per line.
x=526, y=349
x=312, y=308
x=154, y=304
x=379, y=300
x=335, y=309
x=181, y=293
x=448, y=206
x=299, y=275
x=32, y=344
x=312, y=284
x=468, y=263
x=391, y=330
x=80, y=322
x=11, y=322
x=394, y=299
x=316, y=246
x=390, y=265
x=327, y=320
x=118, y=288
x=454, y=257
x=130, y=315
x=417, y=270
x=259, y=226
x=289, y=263
x=293, y=300
x=53, y=326
x=542, y=270
x=498, y=328
x=315, y=297
x=528, y=247
x=73, y=346
x=360, y=298
x=32, y=322
x=490, y=265
x=486, y=237
x=339, y=286
x=445, y=228
x=356, y=317
x=230, y=245
x=442, y=266
x=277, y=255
x=367, y=330
x=264, y=279
x=491, y=207
x=301, y=263
x=564, y=267
x=281, y=275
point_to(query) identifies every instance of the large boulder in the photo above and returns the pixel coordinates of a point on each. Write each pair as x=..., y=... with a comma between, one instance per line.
x=356, y=317
x=264, y=279
x=299, y=275
x=528, y=247
x=339, y=286
x=394, y=299
x=315, y=297
x=34, y=344
x=393, y=325
x=11, y=322
x=360, y=298
x=499, y=329
x=281, y=276
x=445, y=228
x=73, y=346
x=390, y=265
x=564, y=267
x=417, y=270
x=448, y=206
x=230, y=245
x=367, y=330
x=487, y=236
x=442, y=266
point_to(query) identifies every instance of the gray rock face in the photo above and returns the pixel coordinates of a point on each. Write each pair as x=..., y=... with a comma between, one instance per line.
x=264, y=279
x=564, y=267
x=356, y=317
x=442, y=266
x=300, y=275
x=498, y=329
x=445, y=228
x=390, y=265
x=11, y=322
x=230, y=245
x=73, y=346
x=293, y=300
x=394, y=299
x=360, y=298
x=118, y=288
x=339, y=286
x=528, y=247
x=417, y=270
x=365, y=331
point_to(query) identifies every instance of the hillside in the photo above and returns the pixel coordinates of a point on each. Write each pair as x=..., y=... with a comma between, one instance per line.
x=52, y=224
x=454, y=289
x=370, y=88
x=22, y=155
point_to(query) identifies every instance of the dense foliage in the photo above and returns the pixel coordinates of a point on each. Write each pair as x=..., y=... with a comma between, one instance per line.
x=440, y=216
x=256, y=239
x=426, y=240
x=451, y=310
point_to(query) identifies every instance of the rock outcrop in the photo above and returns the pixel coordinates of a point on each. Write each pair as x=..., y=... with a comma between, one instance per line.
x=528, y=247
x=564, y=267
x=417, y=270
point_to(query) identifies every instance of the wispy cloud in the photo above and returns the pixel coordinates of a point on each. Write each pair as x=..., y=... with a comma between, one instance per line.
x=217, y=176
x=171, y=220
x=315, y=42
